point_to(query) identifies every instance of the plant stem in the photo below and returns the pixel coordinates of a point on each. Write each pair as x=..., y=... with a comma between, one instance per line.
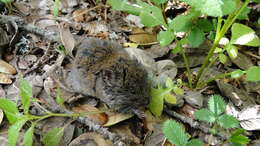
x=187, y=65
x=219, y=76
x=231, y=18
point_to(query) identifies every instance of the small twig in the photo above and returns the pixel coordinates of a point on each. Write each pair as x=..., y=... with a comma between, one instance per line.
x=251, y=54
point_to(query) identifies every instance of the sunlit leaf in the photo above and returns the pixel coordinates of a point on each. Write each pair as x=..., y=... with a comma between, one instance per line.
x=253, y=73
x=53, y=137
x=13, y=132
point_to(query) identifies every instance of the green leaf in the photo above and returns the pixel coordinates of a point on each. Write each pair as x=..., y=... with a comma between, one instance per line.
x=244, y=35
x=28, y=136
x=237, y=73
x=213, y=7
x=181, y=23
x=195, y=142
x=253, y=73
x=56, y=8
x=13, y=132
x=59, y=98
x=169, y=83
x=178, y=91
x=196, y=37
x=237, y=138
x=244, y=14
x=170, y=98
x=227, y=121
x=10, y=110
x=26, y=94
x=53, y=137
x=205, y=115
x=123, y=5
x=159, y=1
x=156, y=102
x=175, y=133
x=231, y=50
x=205, y=25
x=222, y=58
x=257, y=1
x=150, y=15
x=216, y=105
x=165, y=37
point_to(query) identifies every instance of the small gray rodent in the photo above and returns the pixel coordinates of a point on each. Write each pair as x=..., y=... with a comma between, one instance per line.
x=104, y=70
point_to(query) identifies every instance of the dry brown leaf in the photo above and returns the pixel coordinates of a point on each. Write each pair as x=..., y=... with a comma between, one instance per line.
x=5, y=79
x=1, y=116
x=90, y=138
x=7, y=68
x=67, y=38
x=115, y=118
x=77, y=16
x=143, y=38
x=100, y=118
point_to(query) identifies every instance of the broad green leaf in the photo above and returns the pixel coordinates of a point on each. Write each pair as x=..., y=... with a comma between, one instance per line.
x=13, y=132
x=175, y=133
x=253, y=73
x=150, y=15
x=181, y=23
x=205, y=115
x=257, y=1
x=216, y=105
x=196, y=37
x=53, y=137
x=170, y=98
x=227, y=121
x=123, y=5
x=56, y=8
x=237, y=73
x=165, y=37
x=232, y=51
x=59, y=98
x=205, y=25
x=28, y=136
x=195, y=142
x=213, y=7
x=222, y=58
x=178, y=91
x=10, y=110
x=159, y=1
x=244, y=14
x=244, y=35
x=156, y=102
x=26, y=94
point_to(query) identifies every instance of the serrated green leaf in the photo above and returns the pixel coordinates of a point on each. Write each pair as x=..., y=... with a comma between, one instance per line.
x=227, y=121
x=222, y=58
x=205, y=115
x=26, y=94
x=237, y=73
x=238, y=138
x=53, y=137
x=181, y=23
x=165, y=37
x=196, y=37
x=205, y=25
x=170, y=98
x=253, y=73
x=156, y=101
x=28, y=136
x=195, y=142
x=13, y=132
x=123, y=5
x=159, y=1
x=216, y=105
x=244, y=35
x=232, y=51
x=175, y=133
x=10, y=110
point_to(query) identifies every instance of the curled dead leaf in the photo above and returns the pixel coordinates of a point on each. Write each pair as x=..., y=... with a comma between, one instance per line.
x=7, y=68
x=91, y=138
x=5, y=79
x=100, y=118
x=115, y=118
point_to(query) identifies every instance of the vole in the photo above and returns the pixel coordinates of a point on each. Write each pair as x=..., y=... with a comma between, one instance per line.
x=104, y=70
